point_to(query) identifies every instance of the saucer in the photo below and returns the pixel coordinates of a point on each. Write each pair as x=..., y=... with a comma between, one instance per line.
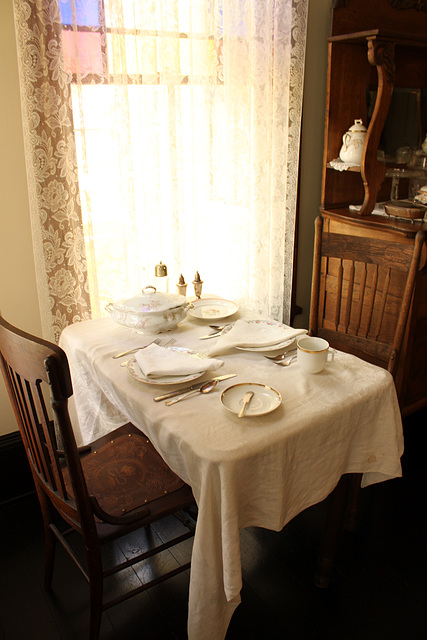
x=212, y=308
x=264, y=400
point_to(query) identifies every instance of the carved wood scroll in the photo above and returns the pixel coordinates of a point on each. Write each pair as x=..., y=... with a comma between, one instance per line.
x=381, y=55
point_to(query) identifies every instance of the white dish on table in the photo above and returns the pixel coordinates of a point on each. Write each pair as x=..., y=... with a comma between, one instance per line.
x=212, y=308
x=272, y=347
x=264, y=400
x=134, y=370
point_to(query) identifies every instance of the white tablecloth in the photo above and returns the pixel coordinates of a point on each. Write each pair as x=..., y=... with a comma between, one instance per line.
x=258, y=471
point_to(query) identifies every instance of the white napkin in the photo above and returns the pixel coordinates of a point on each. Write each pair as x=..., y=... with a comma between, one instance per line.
x=253, y=334
x=156, y=361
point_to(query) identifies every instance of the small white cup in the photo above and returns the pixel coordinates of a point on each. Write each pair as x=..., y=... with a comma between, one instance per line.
x=313, y=354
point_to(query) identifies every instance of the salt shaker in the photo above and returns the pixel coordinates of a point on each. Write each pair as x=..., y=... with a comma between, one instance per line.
x=181, y=285
x=161, y=279
x=197, y=283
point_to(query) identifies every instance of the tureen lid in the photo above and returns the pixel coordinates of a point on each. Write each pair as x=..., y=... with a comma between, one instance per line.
x=150, y=300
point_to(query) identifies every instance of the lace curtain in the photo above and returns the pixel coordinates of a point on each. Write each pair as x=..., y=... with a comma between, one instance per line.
x=161, y=130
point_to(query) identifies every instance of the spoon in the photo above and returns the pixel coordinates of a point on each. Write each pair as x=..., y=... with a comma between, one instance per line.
x=280, y=357
x=285, y=363
x=246, y=400
x=205, y=388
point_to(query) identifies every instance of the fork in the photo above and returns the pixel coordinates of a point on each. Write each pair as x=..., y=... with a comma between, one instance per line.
x=220, y=327
x=168, y=343
x=126, y=353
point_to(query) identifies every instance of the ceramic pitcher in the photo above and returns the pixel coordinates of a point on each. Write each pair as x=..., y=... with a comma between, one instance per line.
x=353, y=141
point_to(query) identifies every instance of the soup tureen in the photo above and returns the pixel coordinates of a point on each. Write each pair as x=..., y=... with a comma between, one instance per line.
x=150, y=312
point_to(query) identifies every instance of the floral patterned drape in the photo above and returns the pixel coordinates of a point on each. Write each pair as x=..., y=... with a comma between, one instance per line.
x=161, y=130
x=52, y=174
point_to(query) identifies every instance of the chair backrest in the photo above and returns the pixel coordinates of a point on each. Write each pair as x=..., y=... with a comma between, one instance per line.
x=38, y=381
x=362, y=292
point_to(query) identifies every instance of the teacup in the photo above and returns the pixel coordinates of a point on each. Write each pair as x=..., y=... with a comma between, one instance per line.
x=313, y=354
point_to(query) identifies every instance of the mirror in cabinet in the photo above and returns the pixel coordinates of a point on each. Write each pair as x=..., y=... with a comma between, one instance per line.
x=401, y=143
x=406, y=123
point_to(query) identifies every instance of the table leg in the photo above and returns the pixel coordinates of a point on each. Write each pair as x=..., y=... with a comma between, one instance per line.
x=353, y=502
x=333, y=523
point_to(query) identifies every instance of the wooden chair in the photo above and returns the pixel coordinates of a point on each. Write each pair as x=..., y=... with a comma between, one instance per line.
x=103, y=491
x=361, y=296
x=362, y=292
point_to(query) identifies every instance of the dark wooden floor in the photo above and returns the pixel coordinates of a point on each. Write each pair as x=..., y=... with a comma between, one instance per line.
x=378, y=590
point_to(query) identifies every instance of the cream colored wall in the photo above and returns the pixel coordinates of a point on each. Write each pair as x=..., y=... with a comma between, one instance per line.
x=18, y=295
x=311, y=148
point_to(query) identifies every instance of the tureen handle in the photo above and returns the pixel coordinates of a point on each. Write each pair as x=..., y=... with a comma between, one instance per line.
x=150, y=286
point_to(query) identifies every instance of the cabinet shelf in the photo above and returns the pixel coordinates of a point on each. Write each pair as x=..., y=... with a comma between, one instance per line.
x=390, y=172
x=354, y=168
x=374, y=222
x=385, y=35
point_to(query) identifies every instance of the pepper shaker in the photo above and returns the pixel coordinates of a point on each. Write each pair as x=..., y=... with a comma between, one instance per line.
x=197, y=283
x=181, y=286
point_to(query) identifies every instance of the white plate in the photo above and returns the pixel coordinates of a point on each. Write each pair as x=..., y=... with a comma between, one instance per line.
x=271, y=347
x=134, y=370
x=213, y=308
x=264, y=400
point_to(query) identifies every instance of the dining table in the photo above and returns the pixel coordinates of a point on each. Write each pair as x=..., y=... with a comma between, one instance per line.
x=261, y=470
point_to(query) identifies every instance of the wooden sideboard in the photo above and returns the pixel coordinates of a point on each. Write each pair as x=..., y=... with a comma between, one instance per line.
x=376, y=50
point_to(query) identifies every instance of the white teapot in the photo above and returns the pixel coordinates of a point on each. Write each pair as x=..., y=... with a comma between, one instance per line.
x=353, y=141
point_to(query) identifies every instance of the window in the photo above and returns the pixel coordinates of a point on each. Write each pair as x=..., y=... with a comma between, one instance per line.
x=161, y=130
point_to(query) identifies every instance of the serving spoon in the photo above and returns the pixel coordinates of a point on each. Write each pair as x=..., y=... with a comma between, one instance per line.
x=206, y=388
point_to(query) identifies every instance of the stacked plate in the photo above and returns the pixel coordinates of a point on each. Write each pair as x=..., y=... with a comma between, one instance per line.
x=281, y=344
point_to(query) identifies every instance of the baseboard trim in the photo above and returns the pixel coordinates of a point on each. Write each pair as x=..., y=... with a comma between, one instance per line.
x=16, y=480
x=10, y=440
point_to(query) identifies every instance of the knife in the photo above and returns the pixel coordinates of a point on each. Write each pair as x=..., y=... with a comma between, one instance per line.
x=211, y=335
x=193, y=387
